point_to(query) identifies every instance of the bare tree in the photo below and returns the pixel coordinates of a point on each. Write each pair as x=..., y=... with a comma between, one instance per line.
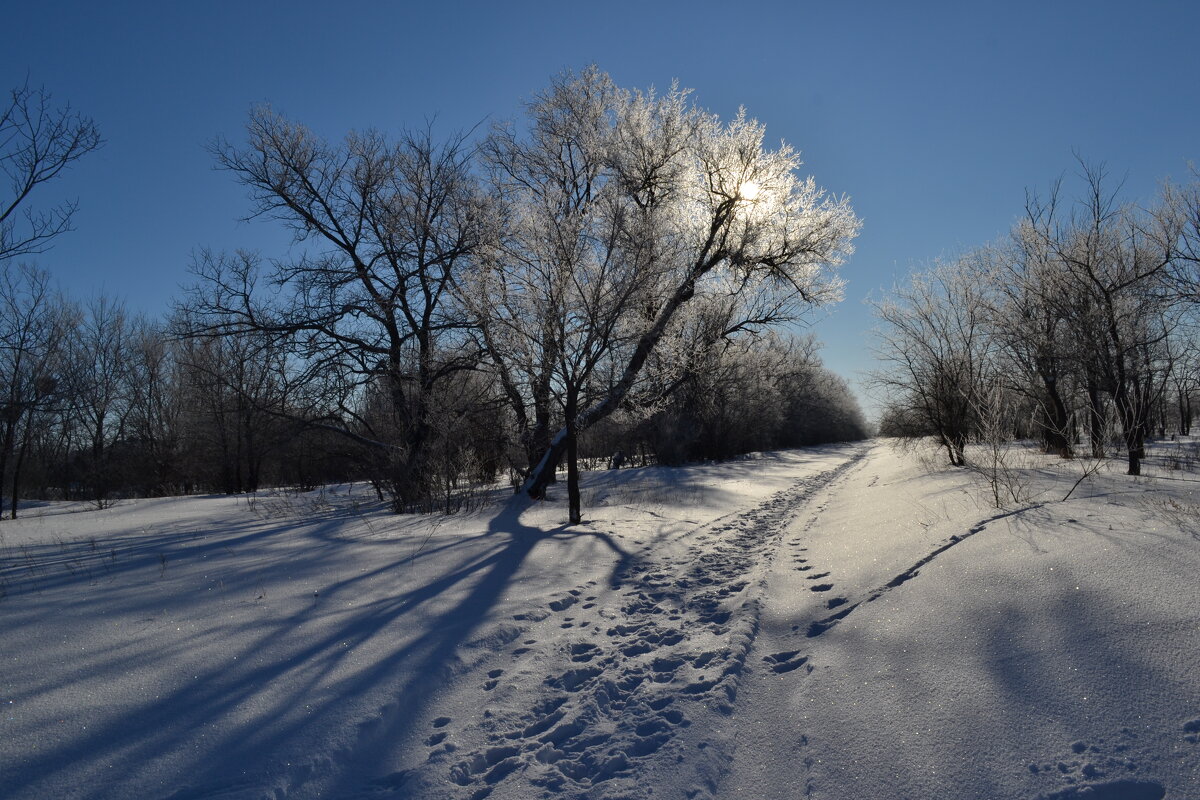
x=392, y=225
x=935, y=349
x=156, y=408
x=1114, y=260
x=37, y=142
x=97, y=386
x=1179, y=215
x=34, y=323
x=236, y=399
x=1185, y=377
x=1025, y=318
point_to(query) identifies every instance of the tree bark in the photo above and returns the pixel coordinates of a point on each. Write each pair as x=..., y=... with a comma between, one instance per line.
x=576, y=514
x=1058, y=422
x=17, y=464
x=1096, y=421
x=1185, y=413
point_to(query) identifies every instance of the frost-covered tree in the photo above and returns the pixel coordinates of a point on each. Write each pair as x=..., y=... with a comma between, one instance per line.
x=1114, y=261
x=1179, y=214
x=1024, y=316
x=752, y=393
x=631, y=205
x=554, y=293
x=1077, y=315
x=936, y=353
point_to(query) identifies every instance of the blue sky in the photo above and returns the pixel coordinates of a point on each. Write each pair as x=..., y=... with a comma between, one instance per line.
x=933, y=117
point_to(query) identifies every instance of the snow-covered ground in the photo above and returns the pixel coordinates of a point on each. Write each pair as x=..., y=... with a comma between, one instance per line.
x=829, y=623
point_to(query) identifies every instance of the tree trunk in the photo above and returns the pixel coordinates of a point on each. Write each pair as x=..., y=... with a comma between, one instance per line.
x=6, y=448
x=1096, y=420
x=542, y=474
x=18, y=463
x=949, y=450
x=1058, y=423
x=960, y=447
x=576, y=515
x=1133, y=424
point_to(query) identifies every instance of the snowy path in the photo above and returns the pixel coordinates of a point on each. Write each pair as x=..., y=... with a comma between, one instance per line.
x=642, y=688
x=769, y=759
x=839, y=552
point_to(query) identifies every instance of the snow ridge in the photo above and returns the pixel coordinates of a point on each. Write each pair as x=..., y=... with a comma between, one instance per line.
x=825, y=623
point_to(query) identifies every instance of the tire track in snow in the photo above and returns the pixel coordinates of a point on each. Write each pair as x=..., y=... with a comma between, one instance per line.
x=645, y=688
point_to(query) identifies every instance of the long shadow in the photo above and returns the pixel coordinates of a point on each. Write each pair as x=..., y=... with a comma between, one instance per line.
x=1061, y=682
x=1014, y=677
x=322, y=676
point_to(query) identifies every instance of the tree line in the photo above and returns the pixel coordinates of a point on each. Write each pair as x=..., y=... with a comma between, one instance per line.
x=1079, y=328
x=607, y=279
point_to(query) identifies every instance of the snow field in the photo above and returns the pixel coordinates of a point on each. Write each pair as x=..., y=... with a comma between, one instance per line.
x=1045, y=653
x=828, y=623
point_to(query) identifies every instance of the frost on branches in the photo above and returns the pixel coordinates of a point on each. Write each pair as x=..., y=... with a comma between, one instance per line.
x=619, y=212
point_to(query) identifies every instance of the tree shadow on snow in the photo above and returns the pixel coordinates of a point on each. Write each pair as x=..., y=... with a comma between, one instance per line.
x=1053, y=687
x=291, y=683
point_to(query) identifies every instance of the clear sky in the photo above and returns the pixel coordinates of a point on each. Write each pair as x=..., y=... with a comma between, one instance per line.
x=933, y=117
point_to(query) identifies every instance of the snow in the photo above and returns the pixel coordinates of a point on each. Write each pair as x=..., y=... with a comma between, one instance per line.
x=836, y=622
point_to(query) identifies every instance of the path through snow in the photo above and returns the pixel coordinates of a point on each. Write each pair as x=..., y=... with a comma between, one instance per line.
x=769, y=760
x=636, y=700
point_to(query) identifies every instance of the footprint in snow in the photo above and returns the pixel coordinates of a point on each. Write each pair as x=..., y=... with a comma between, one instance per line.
x=583, y=652
x=1089, y=768
x=573, y=679
x=564, y=603
x=786, y=661
x=1124, y=789
x=822, y=587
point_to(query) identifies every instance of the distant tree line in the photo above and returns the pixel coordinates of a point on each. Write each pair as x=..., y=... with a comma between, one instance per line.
x=1081, y=329
x=607, y=281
